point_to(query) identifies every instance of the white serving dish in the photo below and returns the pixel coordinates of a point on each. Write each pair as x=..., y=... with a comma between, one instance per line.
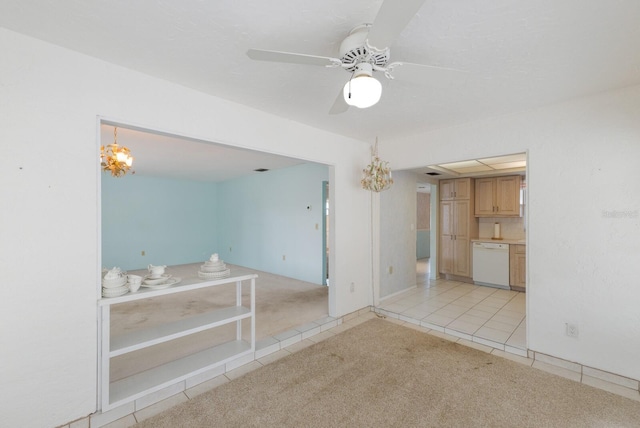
x=115, y=292
x=114, y=283
x=214, y=275
x=168, y=283
x=220, y=268
x=150, y=280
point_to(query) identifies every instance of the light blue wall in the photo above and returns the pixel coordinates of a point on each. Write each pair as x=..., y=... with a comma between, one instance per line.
x=173, y=221
x=260, y=218
x=264, y=217
x=424, y=244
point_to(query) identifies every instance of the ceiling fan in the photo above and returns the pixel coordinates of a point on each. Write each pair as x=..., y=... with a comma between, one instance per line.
x=364, y=51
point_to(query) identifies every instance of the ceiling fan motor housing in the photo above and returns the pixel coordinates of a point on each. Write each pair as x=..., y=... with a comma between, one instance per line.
x=354, y=50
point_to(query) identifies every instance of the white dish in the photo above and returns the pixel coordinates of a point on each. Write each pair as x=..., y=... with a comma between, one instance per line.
x=214, y=275
x=122, y=293
x=115, y=292
x=149, y=280
x=121, y=287
x=167, y=284
x=221, y=268
x=114, y=283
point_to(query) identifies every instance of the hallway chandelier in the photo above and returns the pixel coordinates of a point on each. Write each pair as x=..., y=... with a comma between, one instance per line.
x=377, y=175
x=116, y=159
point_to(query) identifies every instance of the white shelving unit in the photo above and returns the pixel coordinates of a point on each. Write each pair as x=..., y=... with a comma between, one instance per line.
x=114, y=394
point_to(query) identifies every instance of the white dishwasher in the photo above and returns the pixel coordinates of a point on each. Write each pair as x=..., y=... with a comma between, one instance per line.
x=491, y=264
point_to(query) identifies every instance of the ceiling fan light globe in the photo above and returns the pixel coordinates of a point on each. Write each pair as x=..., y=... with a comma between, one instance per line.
x=362, y=91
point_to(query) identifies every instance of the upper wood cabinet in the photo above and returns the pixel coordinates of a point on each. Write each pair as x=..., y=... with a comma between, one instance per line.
x=455, y=189
x=498, y=196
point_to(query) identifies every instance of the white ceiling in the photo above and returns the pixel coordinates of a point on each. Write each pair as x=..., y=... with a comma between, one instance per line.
x=168, y=156
x=519, y=54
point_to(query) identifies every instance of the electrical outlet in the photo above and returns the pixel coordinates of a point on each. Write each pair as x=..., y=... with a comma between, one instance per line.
x=229, y=249
x=390, y=269
x=142, y=253
x=284, y=257
x=571, y=330
x=352, y=288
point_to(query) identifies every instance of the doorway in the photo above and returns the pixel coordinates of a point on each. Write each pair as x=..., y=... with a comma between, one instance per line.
x=325, y=233
x=484, y=314
x=174, y=236
x=423, y=231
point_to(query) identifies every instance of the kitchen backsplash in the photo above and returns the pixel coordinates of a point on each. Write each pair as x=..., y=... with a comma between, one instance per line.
x=510, y=228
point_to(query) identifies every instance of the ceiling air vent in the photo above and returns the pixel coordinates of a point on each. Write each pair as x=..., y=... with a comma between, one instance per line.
x=433, y=173
x=261, y=170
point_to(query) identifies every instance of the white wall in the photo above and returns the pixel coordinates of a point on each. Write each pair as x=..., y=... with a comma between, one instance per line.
x=49, y=220
x=582, y=259
x=398, y=235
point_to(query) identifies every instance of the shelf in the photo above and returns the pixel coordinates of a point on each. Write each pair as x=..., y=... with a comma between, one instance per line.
x=113, y=394
x=163, y=333
x=187, y=284
x=140, y=384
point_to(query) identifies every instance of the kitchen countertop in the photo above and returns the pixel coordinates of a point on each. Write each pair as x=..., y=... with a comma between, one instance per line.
x=501, y=241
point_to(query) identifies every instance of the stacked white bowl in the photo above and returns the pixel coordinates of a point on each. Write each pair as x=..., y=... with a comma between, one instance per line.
x=114, y=283
x=214, y=268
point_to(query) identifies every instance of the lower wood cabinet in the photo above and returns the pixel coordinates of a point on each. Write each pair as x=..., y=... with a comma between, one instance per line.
x=518, y=267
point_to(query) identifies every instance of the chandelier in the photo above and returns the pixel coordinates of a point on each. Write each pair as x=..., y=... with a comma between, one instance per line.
x=116, y=159
x=377, y=175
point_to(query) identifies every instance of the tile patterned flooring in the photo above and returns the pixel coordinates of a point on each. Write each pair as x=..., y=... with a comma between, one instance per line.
x=489, y=316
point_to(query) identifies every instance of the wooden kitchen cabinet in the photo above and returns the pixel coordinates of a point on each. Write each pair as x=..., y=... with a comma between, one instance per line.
x=518, y=267
x=497, y=196
x=456, y=189
x=457, y=226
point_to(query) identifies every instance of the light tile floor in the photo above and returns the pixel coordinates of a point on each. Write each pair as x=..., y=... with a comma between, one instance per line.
x=490, y=316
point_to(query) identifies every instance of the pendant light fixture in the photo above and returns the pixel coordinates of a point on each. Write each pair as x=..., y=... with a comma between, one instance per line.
x=362, y=90
x=116, y=159
x=377, y=175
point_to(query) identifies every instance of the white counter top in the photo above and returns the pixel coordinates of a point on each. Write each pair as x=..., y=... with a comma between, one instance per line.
x=501, y=241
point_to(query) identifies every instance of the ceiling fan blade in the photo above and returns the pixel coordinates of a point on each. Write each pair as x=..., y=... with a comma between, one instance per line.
x=293, y=58
x=392, y=18
x=339, y=105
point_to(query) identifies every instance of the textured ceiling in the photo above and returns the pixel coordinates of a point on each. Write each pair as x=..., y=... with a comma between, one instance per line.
x=168, y=156
x=519, y=54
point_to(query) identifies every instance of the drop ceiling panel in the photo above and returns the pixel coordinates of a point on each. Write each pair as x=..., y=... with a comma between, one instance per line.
x=509, y=165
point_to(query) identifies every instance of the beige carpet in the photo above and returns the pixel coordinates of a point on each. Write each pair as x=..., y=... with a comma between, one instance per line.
x=382, y=374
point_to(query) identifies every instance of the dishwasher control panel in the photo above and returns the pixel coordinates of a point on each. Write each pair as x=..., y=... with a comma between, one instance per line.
x=491, y=246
